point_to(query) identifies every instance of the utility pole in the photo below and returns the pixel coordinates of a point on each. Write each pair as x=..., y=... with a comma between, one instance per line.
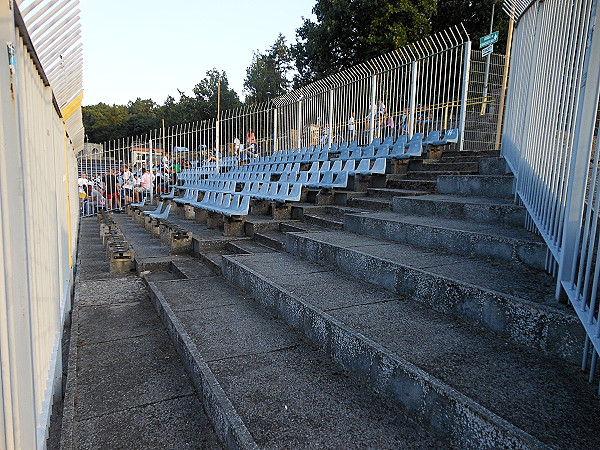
x=487, y=64
x=217, y=134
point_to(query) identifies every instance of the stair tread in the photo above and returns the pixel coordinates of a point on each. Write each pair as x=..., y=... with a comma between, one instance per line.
x=518, y=384
x=399, y=192
x=287, y=393
x=466, y=200
x=458, y=225
x=537, y=286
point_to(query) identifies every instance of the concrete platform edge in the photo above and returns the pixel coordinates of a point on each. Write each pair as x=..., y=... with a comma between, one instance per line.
x=430, y=401
x=66, y=431
x=227, y=423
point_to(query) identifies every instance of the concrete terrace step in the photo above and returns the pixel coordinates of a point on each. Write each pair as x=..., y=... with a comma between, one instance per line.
x=391, y=193
x=412, y=185
x=471, y=166
x=461, y=237
x=432, y=175
x=517, y=304
x=425, y=360
x=476, y=185
x=477, y=209
x=375, y=204
x=265, y=385
x=274, y=240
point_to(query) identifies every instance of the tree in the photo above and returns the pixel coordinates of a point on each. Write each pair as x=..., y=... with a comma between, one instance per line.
x=104, y=122
x=349, y=32
x=476, y=18
x=206, y=95
x=267, y=76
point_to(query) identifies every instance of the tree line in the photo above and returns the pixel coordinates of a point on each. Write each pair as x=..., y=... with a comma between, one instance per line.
x=345, y=33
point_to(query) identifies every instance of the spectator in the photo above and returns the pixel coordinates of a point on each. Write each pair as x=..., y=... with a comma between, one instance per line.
x=111, y=189
x=165, y=160
x=127, y=185
x=351, y=121
x=146, y=182
x=251, y=141
x=236, y=146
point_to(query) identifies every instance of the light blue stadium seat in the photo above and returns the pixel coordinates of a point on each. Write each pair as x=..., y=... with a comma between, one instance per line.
x=432, y=137
x=161, y=215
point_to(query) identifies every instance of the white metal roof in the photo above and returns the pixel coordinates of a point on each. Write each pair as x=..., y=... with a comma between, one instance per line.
x=55, y=31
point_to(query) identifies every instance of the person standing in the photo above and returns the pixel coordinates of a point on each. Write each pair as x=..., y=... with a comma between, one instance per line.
x=127, y=185
x=351, y=127
x=111, y=189
x=146, y=183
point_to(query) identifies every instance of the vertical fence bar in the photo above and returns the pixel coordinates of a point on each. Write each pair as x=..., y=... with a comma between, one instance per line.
x=373, y=107
x=464, y=93
x=412, y=113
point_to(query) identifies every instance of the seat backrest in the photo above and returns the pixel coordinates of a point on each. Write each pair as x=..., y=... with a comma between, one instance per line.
x=337, y=166
x=402, y=140
x=349, y=166
x=314, y=167
x=368, y=152
x=363, y=165
x=327, y=177
x=345, y=154
x=302, y=178
x=415, y=147
x=325, y=166
x=356, y=153
x=314, y=178
x=432, y=137
x=378, y=166
x=451, y=135
x=389, y=140
x=264, y=188
x=382, y=151
x=272, y=189
x=375, y=142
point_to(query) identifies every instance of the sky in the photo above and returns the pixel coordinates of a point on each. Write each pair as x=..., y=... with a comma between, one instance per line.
x=150, y=48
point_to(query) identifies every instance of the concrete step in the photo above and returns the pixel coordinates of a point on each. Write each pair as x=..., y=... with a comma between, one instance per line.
x=264, y=385
x=374, y=204
x=246, y=247
x=476, y=185
x=298, y=226
x=274, y=240
x=324, y=221
x=477, y=209
x=516, y=304
x=424, y=360
x=440, y=165
x=471, y=239
x=433, y=175
x=391, y=193
x=471, y=153
x=412, y=185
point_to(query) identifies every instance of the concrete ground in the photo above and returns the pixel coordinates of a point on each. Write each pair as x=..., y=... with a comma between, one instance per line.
x=126, y=386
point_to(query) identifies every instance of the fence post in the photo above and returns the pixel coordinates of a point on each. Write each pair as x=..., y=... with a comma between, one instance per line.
x=300, y=122
x=275, y=141
x=511, y=25
x=330, y=122
x=373, y=106
x=413, y=98
x=463, y=99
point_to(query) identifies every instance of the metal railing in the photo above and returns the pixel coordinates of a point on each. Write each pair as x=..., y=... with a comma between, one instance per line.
x=38, y=212
x=550, y=143
x=419, y=88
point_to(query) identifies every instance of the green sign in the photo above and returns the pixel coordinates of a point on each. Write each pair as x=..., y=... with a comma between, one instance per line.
x=490, y=39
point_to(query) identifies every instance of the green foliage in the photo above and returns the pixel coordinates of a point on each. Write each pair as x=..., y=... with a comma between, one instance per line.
x=349, y=32
x=267, y=76
x=475, y=15
x=103, y=122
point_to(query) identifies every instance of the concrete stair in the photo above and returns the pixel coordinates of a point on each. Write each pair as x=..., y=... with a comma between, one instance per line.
x=416, y=313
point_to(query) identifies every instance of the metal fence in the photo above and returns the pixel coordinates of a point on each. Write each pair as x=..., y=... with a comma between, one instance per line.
x=416, y=89
x=550, y=143
x=38, y=215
